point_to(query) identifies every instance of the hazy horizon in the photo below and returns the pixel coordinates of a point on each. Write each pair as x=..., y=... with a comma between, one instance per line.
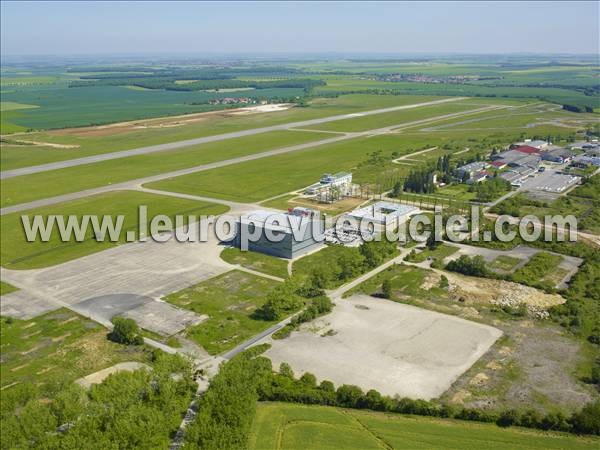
x=299, y=28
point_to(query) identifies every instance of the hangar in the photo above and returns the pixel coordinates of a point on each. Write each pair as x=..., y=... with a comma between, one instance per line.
x=277, y=234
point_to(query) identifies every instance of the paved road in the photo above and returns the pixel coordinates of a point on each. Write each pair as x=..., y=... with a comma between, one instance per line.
x=203, y=140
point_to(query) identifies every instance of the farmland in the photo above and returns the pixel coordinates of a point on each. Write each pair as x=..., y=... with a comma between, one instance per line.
x=18, y=253
x=284, y=426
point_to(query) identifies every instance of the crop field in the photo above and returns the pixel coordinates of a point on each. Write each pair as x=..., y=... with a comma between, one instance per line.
x=230, y=301
x=18, y=253
x=153, y=104
x=288, y=426
x=107, y=104
x=260, y=262
x=48, y=184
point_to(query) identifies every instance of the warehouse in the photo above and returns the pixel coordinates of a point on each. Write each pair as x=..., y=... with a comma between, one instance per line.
x=276, y=234
x=382, y=213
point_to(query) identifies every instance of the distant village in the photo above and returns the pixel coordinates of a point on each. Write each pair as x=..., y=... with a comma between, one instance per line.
x=423, y=78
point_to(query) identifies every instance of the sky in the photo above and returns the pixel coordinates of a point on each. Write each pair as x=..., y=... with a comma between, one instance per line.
x=94, y=28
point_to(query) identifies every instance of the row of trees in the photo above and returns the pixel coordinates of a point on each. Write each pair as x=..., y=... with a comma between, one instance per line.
x=284, y=387
x=226, y=410
x=170, y=83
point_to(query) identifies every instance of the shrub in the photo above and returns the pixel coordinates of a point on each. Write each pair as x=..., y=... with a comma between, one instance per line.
x=125, y=331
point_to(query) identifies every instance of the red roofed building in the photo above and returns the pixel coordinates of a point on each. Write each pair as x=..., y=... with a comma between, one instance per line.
x=498, y=164
x=528, y=150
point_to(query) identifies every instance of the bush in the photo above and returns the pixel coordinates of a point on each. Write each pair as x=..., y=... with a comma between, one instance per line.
x=587, y=421
x=125, y=331
x=473, y=266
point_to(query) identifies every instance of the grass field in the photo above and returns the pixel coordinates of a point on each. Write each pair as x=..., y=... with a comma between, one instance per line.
x=254, y=181
x=406, y=282
x=6, y=288
x=256, y=261
x=504, y=264
x=230, y=301
x=91, y=141
x=293, y=427
x=47, y=184
x=393, y=118
x=249, y=181
x=439, y=253
x=17, y=253
x=56, y=347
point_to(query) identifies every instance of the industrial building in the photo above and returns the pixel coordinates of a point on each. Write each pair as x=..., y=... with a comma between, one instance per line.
x=584, y=161
x=516, y=157
x=295, y=233
x=382, y=213
x=471, y=168
x=341, y=180
x=538, y=144
x=558, y=155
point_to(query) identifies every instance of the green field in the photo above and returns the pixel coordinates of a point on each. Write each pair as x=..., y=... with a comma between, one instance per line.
x=57, y=346
x=229, y=300
x=6, y=288
x=293, y=427
x=439, y=253
x=91, y=142
x=504, y=264
x=393, y=118
x=17, y=253
x=260, y=262
x=107, y=104
x=47, y=184
x=406, y=282
x=249, y=181
x=254, y=181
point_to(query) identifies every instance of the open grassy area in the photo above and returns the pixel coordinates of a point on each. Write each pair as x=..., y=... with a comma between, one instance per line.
x=18, y=253
x=504, y=264
x=291, y=426
x=393, y=118
x=56, y=347
x=47, y=184
x=260, y=262
x=406, y=282
x=6, y=288
x=250, y=181
x=459, y=192
x=230, y=301
x=261, y=179
x=91, y=141
x=369, y=158
x=439, y=253
x=540, y=270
